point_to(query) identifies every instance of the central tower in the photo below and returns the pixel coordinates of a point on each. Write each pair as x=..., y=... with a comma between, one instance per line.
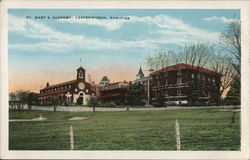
x=80, y=74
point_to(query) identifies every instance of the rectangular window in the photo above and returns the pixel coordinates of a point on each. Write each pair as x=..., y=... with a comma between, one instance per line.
x=179, y=80
x=179, y=92
x=179, y=72
x=166, y=82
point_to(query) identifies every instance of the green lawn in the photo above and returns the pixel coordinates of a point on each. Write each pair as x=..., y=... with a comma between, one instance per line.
x=201, y=129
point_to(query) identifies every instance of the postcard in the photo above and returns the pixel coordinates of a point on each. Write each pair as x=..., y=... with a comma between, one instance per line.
x=125, y=80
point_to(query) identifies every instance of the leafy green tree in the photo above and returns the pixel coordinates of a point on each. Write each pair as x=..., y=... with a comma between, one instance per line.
x=55, y=102
x=92, y=102
x=196, y=91
x=31, y=100
x=135, y=95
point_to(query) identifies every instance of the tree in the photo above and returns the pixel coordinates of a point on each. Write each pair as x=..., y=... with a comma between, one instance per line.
x=198, y=55
x=233, y=95
x=55, y=102
x=161, y=58
x=13, y=100
x=21, y=98
x=12, y=96
x=231, y=40
x=222, y=65
x=31, y=100
x=135, y=95
x=92, y=102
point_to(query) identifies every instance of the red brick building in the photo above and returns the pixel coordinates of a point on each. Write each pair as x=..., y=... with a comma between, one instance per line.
x=184, y=83
x=70, y=92
x=114, y=92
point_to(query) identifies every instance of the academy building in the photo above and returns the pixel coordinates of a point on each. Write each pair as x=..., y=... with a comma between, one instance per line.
x=76, y=91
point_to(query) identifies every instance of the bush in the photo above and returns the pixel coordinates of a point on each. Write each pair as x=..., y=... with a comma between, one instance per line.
x=136, y=102
x=92, y=102
x=107, y=105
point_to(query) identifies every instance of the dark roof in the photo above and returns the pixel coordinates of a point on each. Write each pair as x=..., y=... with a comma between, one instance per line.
x=59, y=84
x=54, y=92
x=140, y=72
x=81, y=68
x=184, y=66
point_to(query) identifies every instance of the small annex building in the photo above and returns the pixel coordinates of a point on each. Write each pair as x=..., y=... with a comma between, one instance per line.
x=76, y=91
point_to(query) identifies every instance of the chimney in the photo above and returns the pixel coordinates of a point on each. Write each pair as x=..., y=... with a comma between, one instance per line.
x=47, y=85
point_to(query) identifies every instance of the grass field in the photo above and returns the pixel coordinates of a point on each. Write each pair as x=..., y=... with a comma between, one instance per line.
x=201, y=129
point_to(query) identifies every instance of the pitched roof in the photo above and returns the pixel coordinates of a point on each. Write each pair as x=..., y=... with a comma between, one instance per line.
x=80, y=68
x=59, y=84
x=184, y=66
x=140, y=72
x=54, y=92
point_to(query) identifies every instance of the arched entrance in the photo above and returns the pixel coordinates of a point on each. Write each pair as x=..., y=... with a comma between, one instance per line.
x=80, y=99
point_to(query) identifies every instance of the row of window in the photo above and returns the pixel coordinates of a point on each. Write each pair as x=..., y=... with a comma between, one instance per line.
x=179, y=92
x=115, y=86
x=165, y=74
x=202, y=77
x=179, y=81
x=179, y=72
x=56, y=89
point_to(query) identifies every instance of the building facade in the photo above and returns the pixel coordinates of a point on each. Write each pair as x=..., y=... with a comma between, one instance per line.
x=114, y=93
x=76, y=91
x=182, y=84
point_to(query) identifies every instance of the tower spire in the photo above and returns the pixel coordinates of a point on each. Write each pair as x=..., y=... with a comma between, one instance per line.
x=80, y=62
x=140, y=73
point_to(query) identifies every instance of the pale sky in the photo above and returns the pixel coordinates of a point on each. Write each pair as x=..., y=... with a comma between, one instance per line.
x=48, y=50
